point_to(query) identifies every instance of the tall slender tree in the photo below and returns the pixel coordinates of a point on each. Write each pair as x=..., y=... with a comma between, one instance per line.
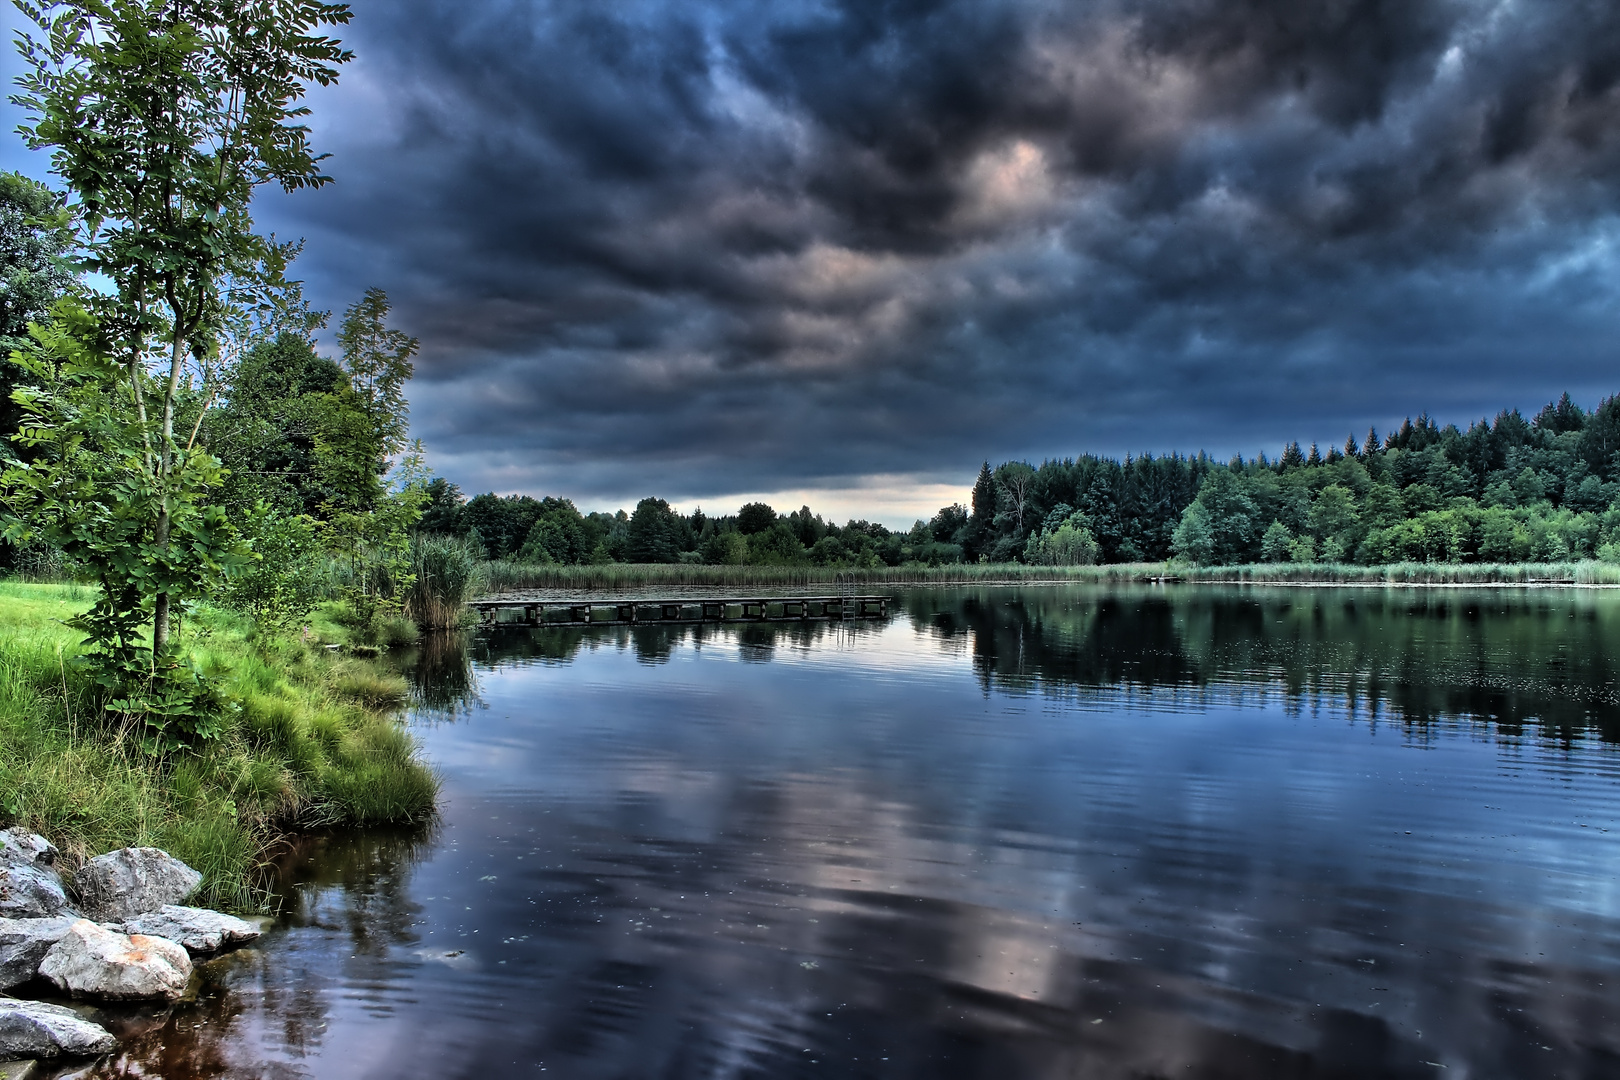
x=162, y=117
x=378, y=361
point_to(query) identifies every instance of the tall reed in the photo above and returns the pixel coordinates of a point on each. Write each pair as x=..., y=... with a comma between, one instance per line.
x=1587, y=572
x=503, y=577
x=507, y=577
x=447, y=573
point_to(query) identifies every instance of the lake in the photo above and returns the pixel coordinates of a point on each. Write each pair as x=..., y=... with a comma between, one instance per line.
x=1012, y=832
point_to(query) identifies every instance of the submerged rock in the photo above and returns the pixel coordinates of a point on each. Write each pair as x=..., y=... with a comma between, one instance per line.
x=35, y=1029
x=23, y=944
x=198, y=929
x=132, y=881
x=92, y=961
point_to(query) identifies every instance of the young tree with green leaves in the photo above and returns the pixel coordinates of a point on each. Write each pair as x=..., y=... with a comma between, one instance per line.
x=162, y=117
x=377, y=359
x=374, y=483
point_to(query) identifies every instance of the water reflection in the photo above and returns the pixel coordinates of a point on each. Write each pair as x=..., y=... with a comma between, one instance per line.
x=1013, y=833
x=344, y=931
x=439, y=669
x=1508, y=656
x=656, y=644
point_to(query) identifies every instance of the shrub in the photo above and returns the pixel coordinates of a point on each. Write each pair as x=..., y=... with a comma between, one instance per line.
x=1068, y=544
x=285, y=581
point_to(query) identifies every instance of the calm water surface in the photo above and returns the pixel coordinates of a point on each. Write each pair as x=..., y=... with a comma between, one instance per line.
x=1054, y=832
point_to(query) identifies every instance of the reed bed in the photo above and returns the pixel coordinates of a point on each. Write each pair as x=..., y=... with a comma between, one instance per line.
x=447, y=571
x=507, y=577
x=499, y=578
x=1588, y=572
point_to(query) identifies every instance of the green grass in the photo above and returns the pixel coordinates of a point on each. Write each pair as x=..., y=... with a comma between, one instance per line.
x=311, y=741
x=503, y=577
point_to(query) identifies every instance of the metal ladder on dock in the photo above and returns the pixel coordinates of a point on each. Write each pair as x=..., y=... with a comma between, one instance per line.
x=847, y=608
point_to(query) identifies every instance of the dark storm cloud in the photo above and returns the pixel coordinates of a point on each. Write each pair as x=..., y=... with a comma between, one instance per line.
x=708, y=248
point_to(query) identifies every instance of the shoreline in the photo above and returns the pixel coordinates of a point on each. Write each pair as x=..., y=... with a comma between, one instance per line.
x=623, y=579
x=310, y=740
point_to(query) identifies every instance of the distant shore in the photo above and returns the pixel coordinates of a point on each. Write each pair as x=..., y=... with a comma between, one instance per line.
x=504, y=577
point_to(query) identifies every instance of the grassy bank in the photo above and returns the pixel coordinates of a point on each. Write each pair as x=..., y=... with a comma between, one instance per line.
x=309, y=741
x=503, y=577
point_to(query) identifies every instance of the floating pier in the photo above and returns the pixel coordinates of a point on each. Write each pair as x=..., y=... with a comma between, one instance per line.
x=694, y=609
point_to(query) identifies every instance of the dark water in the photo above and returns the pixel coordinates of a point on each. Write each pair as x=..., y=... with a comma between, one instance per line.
x=1059, y=832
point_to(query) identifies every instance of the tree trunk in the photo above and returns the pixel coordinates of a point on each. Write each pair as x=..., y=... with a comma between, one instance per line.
x=160, y=623
x=160, y=532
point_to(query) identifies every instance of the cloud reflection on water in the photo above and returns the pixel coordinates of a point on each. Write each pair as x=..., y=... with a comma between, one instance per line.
x=660, y=860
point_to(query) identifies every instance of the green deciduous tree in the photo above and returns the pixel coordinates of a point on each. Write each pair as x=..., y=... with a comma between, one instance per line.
x=1067, y=542
x=755, y=517
x=162, y=118
x=654, y=533
x=1015, y=483
x=373, y=484
x=1277, y=543
x=89, y=488
x=35, y=271
x=265, y=432
x=378, y=362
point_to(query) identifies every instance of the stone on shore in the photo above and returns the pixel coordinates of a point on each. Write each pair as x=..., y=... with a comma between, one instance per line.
x=29, y=886
x=35, y=1029
x=18, y=845
x=31, y=891
x=93, y=962
x=23, y=944
x=132, y=881
x=198, y=929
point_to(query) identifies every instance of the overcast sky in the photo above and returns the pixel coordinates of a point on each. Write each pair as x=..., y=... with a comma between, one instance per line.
x=840, y=253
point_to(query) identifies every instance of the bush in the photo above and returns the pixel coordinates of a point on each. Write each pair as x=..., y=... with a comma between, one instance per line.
x=285, y=582
x=1069, y=544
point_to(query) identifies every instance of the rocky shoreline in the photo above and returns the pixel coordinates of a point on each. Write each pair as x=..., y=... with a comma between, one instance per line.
x=117, y=930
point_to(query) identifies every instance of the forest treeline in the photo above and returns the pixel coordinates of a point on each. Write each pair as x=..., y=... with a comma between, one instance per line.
x=1511, y=489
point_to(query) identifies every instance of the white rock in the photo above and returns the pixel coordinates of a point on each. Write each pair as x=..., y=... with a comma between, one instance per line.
x=91, y=961
x=23, y=944
x=21, y=846
x=29, y=887
x=132, y=881
x=31, y=891
x=35, y=1029
x=198, y=929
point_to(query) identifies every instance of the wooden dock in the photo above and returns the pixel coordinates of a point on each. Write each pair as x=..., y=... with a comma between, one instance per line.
x=693, y=609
